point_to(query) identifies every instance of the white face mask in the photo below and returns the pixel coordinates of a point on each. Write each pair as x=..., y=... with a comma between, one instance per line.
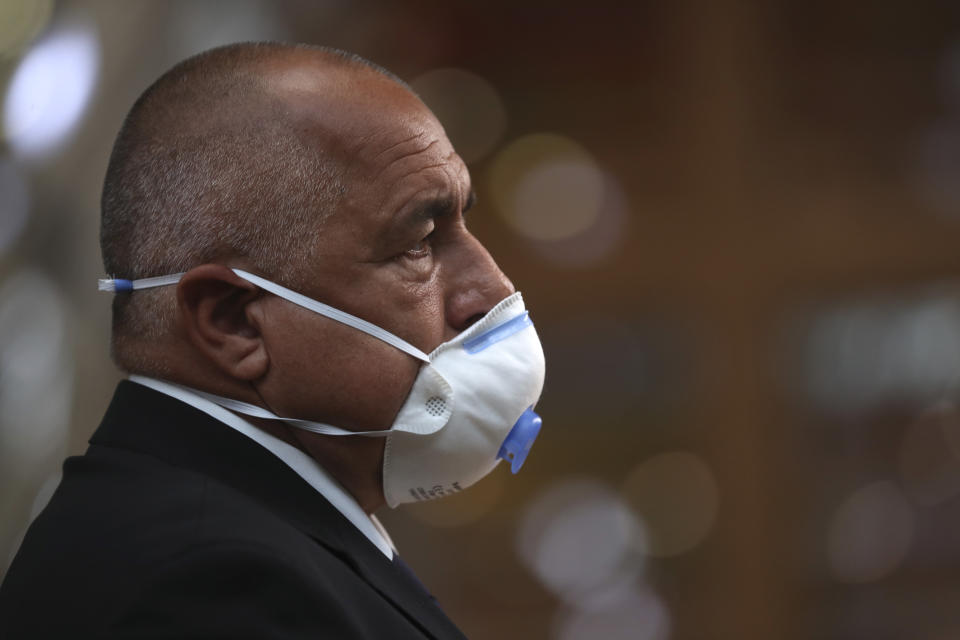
x=470, y=406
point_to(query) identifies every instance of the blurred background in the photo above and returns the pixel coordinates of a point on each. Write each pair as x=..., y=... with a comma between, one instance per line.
x=736, y=224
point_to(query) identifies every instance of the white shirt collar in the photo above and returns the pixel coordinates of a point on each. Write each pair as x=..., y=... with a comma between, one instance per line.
x=302, y=464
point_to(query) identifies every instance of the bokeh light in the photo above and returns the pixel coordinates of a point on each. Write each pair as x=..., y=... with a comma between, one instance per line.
x=14, y=204
x=929, y=465
x=20, y=22
x=547, y=187
x=51, y=88
x=639, y=614
x=579, y=538
x=36, y=371
x=866, y=354
x=676, y=494
x=599, y=240
x=870, y=533
x=468, y=107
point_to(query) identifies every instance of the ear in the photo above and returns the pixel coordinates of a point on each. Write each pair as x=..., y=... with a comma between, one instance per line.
x=214, y=305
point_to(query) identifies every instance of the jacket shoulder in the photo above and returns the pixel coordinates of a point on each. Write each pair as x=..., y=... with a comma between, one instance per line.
x=135, y=544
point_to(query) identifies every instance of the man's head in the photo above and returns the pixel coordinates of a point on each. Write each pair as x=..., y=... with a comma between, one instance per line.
x=205, y=167
x=318, y=171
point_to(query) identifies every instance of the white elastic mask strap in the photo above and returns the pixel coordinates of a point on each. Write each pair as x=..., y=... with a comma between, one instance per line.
x=259, y=412
x=334, y=314
x=120, y=285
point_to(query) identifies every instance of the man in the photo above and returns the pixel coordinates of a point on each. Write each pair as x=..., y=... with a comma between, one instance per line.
x=286, y=227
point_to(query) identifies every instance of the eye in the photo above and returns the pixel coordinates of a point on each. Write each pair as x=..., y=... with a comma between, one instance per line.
x=421, y=249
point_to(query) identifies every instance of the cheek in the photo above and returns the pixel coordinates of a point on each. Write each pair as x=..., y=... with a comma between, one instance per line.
x=324, y=371
x=412, y=311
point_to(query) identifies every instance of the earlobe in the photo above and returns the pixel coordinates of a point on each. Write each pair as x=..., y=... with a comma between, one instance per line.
x=214, y=308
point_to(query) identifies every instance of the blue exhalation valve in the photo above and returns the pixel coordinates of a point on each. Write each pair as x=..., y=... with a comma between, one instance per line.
x=517, y=445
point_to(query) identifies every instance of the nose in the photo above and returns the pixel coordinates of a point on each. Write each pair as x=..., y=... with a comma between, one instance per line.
x=474, y=284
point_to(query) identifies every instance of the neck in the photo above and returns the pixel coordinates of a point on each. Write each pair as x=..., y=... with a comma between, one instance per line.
x=356, y=462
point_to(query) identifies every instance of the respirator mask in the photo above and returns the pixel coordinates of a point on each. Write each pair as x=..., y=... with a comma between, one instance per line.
x=470, y=406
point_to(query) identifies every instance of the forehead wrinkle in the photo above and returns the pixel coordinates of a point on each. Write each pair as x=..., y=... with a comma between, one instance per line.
x=404, y=156
x=458, y=177
x=438, y=165
x=441, y=188
x=395, y=145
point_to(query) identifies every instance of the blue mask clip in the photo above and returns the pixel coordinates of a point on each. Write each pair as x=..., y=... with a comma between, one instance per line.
x=498, y=333
x=518, y=442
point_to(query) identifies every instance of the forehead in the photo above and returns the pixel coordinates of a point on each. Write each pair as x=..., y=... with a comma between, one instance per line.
x=408, y=161
x=390, y=144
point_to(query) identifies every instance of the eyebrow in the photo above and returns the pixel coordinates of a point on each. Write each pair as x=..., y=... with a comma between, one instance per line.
x=437, y=207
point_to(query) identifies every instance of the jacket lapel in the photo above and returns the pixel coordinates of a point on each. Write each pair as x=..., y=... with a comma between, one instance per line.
x=143, y=420
x=399, y=587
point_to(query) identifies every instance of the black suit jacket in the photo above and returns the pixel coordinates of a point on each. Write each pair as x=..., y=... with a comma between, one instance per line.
x=173, y=525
